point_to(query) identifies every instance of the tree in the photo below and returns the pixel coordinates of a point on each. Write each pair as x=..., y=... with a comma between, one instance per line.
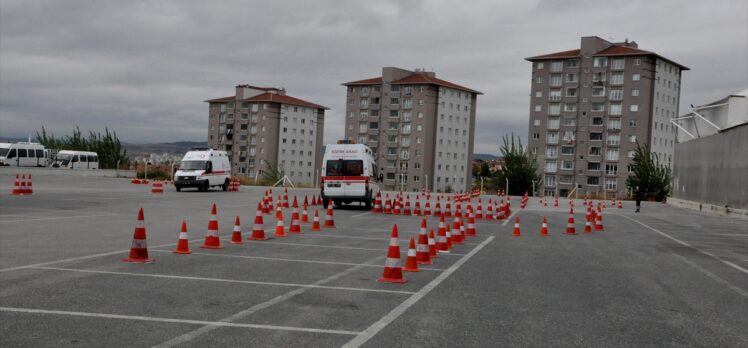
x=272, y=174
x=485, y=172
x=520, y=167
x=653, y=178
x=107, y=145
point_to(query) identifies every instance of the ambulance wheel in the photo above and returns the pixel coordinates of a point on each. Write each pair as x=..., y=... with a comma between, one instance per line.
x=225, y=185
x=368, y=204
x=325, y=202
x=205, y=186
x=178, y=188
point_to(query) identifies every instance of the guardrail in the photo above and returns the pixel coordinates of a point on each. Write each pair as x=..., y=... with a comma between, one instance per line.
x=36, y=171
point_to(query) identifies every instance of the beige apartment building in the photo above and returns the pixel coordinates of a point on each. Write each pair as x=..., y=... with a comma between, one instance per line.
x=590, y=106
x=420, y=128
x=259, y=125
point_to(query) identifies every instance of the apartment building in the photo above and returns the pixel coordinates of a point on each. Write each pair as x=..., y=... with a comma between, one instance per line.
x=420, y=128
x=260, y=125
x=589, y=107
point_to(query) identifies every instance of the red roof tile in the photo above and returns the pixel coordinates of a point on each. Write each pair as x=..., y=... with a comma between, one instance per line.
x=562, y=54
x=425, y=79
x=621, y=50
x=284, y=99
x=371, y=81
x=221, y=100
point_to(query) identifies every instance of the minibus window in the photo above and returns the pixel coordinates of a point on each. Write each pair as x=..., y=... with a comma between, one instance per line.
x=39, y=153
x=21, y=152
x=95, y=158
x=32, y=154
x=75, y=158
x=334, y=168
x=3, y=152
x=12, y=153
x=353, y=167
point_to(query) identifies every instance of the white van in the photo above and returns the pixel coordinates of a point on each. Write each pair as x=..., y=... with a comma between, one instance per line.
x=23, y=155
x=203, y=168
x=76, y=160
x=349, y=174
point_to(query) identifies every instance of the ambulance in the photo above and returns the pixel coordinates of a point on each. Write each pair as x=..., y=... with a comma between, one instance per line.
x=203, y=168
x=349, y=174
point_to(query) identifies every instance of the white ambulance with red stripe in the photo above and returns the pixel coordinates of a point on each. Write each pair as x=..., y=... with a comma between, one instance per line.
x=349, y=174
x=203, y=168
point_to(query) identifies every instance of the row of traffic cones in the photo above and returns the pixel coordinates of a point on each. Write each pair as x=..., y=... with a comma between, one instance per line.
x=425, y=250
x=570, y=225
x=22, y=186
x=139, y=249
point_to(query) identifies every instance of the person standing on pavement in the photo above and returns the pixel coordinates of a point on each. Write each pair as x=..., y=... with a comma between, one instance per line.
x=639, y=193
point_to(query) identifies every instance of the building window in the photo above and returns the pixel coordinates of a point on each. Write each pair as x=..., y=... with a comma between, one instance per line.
x=595, y=151
x=614, y=124
x=631, y=155
x=615, y=109
x=598, y=107
x=551, y=151
x=611, y=154
x=616, y=78
x=394, y=113
x=571, y=92
x=570, y=107
x=538, y=94
x=553, y=122
x=554, y=95
x=362, y=128
x=596, y=136
x=597, y=121
x=617, y=63
x=635, y=92
x=634, y=108
x=593, y=180
x=611, y=169
x=555, y=80
x=557, y=66
x=550, y=166
x=632, y=123
x=570, y=121
x=616, y=93
x=550, y=180
x=373, y=125
x=567, y=165
x=632, y=138
x=595, y=166
x=395, y=101
x=637, y=61
x=611, y=184
x=537, y=108
x=539, y=65
x=572, y=78
x=600, y=62
x=554, y=109
x=635, y=77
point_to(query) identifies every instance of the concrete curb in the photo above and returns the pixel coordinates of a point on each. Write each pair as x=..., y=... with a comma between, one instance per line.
x=100, y=173
x=708, y=208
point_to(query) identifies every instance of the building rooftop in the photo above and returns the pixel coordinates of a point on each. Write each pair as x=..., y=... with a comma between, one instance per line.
x=270, y=97
x=615, y=49
x=417, y=78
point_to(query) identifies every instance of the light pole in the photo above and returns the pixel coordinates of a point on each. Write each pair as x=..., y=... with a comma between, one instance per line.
x=481, y=185
x=427, y=182
x=507, y=187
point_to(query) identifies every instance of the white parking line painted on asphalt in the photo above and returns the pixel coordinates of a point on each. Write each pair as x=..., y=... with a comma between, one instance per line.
x=58, y=218
x=741, y=269
x=174, y=320
x=362, y=214
x=291, y=260
x=221, y=280
x=372, y=330
x=713, y=276
x=404, y=241
x=260, y=306
x=383, y=250
x=509, y=218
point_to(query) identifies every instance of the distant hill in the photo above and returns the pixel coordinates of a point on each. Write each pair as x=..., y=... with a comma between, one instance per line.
x=485, y=157
x=176, y=148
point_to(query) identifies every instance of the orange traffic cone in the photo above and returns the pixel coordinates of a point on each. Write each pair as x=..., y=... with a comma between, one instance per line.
x=258, y=229
x=236, y=235
x=432, y=244
x=411, y=262
x=427, y=208
x=599, y=221
x=183, y=244
x=139, y=248
x=544, y=227
x=377, y=204
x=449, y=235
x=29, y=186
x=441, y=237
x=392, y=271
x=471, y=226
x=212, y=241
x=422, y=249
x=570, y=229
x=16, y=188
x=23, y=184
x=315, y=221
x=329, y=221
x=280, y=229
x=295, y=225
x=588, y=226
x=620, y=204
x=157, y=187
x=516, y=231
x=456, y=238
x=305, y=214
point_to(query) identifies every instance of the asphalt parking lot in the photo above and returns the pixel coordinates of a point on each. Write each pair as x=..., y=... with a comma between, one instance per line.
x=661, y=277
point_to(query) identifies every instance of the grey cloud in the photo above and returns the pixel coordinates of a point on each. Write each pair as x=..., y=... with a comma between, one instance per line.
x=144, y=68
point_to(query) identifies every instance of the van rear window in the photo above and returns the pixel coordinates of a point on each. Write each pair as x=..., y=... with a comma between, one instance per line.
x=344, y=168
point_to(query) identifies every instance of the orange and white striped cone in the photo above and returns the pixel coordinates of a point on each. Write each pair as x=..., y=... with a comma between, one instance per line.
x=462, y=231
x=16, y=191
x=157, y=187
x=285, y=200
x=489, y=211
x=441, y=237
x=305, y=214
x=620, y=204
x=139, y=247
x=280, y=228
x=479, y=210
x=377, y=204
x=437, y=208
x=278, y=208
x=599, y=221
x=183, y=244
x=447, y=210
x=411, y=262
x=458, y=210
x=315, y=221
x=407, y=211
x=23, y=184
x=236, y=234
x=417, y=210
x=212, y=240
x=314, y=200
x=570, y=229
x=555, y=202
x=329, y=220
x=588, y=226
x=295, y=225
x=29, y=186
x=432, y=244
x=387, y=205
x=392, y=271
x=516, y=232
x=456, y=231
x=396, y=208
x=544, y=227
x=427, y=208
x=449, y=235
x=422, y=249
x=270, y=203
x=258, y=229
x=295, y=203
x=470, y=231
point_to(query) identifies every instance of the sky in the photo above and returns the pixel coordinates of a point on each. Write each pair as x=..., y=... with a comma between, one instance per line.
x=145, y=68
